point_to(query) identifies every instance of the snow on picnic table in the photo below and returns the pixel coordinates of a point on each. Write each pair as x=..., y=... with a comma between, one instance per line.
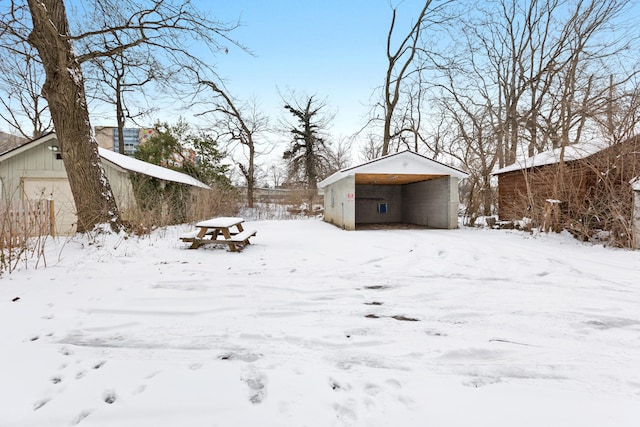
x=315, y=326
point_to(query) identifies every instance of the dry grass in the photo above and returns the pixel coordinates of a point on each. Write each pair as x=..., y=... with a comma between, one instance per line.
x=162, y=206
x=591, y=198
x=24, y=229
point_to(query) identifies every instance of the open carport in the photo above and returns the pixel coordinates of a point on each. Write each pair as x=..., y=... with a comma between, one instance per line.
x=401, y=188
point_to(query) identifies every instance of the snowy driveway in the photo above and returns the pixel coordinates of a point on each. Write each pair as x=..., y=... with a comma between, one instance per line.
x=316, y=326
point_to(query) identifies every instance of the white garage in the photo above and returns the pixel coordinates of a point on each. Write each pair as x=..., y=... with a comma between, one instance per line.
x=401, y=188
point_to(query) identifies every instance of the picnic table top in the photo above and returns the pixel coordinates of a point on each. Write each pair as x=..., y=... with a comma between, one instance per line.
x=223, y=222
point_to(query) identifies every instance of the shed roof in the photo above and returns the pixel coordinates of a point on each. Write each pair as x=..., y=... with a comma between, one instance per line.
x=635, y=183
x=398, y=168
x=550, y=157
x=125, y=162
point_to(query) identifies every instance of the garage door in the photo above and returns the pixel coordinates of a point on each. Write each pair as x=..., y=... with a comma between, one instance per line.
x=58, y=190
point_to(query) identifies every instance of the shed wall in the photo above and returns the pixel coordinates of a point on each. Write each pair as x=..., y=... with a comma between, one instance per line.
x=37, y=173
x=120, y=181
x=339, y=203
x=37, y=162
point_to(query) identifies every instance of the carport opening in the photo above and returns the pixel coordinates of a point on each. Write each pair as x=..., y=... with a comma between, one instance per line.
x=387, y=201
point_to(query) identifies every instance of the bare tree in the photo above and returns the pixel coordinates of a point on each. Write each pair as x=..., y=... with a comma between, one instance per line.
x=338, y=156
x=275, y=173
x=21, y=78
x=473, y=146
x=546, y=61
x=238, y=124
x=620, y=118
x=118, y=77
x=402, y=64
x=165, y=25
x=372, y=148
x=306, y=154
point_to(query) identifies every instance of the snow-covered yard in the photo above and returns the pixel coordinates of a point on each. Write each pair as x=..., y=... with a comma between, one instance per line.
x=315, y=326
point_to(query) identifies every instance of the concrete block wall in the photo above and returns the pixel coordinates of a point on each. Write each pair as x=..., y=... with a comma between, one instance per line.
x=369, y=196
x=430, y=203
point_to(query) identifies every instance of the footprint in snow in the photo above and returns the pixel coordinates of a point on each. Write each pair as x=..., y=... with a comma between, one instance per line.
x=77, y=420
x=40, y=403
x=257, y=390
x=338, y=386
x=481, y=382
x=109, y=397
x=244, y=356
x=345, y=413
x=372, y=389
x=257, y=385
x=139, y=389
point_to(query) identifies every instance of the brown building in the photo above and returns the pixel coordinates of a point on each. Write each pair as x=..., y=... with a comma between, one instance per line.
x=588, y=193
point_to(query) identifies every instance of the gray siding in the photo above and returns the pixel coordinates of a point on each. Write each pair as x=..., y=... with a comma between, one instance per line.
x=120, y=182
x=36, y=162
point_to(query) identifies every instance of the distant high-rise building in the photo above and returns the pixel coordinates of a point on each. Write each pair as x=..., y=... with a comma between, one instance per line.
x=107, y=137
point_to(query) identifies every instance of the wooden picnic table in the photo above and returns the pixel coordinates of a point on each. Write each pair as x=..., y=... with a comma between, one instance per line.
x=221, y=230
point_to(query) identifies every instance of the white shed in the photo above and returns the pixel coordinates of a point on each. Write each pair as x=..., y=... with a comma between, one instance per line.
x=34, y=170
x=404, y=187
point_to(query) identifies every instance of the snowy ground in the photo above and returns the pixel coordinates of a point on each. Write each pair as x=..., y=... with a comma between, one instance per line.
x=315, y=326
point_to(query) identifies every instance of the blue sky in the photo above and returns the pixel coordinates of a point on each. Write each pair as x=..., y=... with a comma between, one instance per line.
x=335, y=49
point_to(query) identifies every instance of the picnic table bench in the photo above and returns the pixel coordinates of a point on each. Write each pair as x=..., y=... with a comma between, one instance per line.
x=221, y=230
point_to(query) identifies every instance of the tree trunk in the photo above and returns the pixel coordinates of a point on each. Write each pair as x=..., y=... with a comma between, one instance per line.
x=64, y=91
x=119, y=116
x=251, y=178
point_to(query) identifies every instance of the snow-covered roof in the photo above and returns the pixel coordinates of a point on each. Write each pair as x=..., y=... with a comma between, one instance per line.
x=125, y=162
x=402, y=163
x=635, y=183
x=571, y=152
x=134, y=165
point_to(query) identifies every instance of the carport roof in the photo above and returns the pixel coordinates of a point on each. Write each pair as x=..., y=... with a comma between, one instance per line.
x=399, y=168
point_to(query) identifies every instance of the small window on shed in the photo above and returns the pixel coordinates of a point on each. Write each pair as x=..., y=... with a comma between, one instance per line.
x=333, y=200
x=382, y=207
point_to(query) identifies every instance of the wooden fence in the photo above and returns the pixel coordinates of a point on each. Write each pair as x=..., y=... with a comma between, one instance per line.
x=23, y=219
